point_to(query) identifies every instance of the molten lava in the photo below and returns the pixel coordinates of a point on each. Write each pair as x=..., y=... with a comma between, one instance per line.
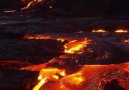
x=9, y=11
x=74, y=79
x=99, y=31
x=37, y=37
x=121, y=31
x=46, y=74
x=61, y=74
x=86, y=78
x=61, y=39
x=76, y=46
x=126, y=41
x=44, y=37
x=31, y=3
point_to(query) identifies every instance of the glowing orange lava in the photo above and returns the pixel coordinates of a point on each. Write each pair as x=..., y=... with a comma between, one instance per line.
x=126, y=41
x=75, y=46
x=47, y=73
x=74, y=79
x=9, y=11
x=31, y=3
x=121, y=31
x=37, y=37
x=99, y=31
x=61, y=77
x=87, y=78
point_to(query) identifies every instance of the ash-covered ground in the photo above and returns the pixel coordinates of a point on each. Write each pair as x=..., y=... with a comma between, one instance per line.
x=29, y=41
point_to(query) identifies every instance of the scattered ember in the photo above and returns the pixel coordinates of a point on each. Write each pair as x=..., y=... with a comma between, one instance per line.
x=61, y=39
x=44, y=37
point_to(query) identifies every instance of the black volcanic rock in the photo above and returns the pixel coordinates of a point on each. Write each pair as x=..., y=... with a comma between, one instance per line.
x=34, y=51
x=10, y=4
x=75, y=8
x=113, y=85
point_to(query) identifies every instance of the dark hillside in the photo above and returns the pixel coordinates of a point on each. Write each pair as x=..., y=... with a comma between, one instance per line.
x=89, y=8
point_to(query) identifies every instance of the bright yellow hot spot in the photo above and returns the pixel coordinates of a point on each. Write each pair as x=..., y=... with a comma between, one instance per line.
x=75, y=46
x=121, y=31
x=61, y=39
x=42, y=82
x=47, y=73
x=74, y=79
x=77, y=80
x=31, y=3
x=99, y=31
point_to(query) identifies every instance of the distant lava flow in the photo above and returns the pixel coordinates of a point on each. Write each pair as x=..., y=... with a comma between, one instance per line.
x=121, y=31
x=32, y=2
x=37, y=37
x=99, y=31
x=65, y=73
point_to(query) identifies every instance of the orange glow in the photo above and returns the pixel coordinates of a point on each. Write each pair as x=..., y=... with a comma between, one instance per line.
x=42, y=82
x=126, y=41
x=74, y=79
x=37, y=37
x=61, y=39
x=89, y=75
x=31, y=3
x=75, y=46
x=99, y=31
x=47, y=73
x=121, y=31
x=9, y=11
x=28, y=5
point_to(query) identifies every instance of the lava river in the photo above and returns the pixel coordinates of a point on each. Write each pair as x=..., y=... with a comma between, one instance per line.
x=67, y=72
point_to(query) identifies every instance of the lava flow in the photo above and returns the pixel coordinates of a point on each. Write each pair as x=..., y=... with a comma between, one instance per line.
x=89, y=77
x=58, y=75
x=44, y=37
x=46, y=74
x=33, y=2
x=126, y=41
x=99, y=31
x=9, y=11
x=37, y=37
x=121, y=31
x=75, y=46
